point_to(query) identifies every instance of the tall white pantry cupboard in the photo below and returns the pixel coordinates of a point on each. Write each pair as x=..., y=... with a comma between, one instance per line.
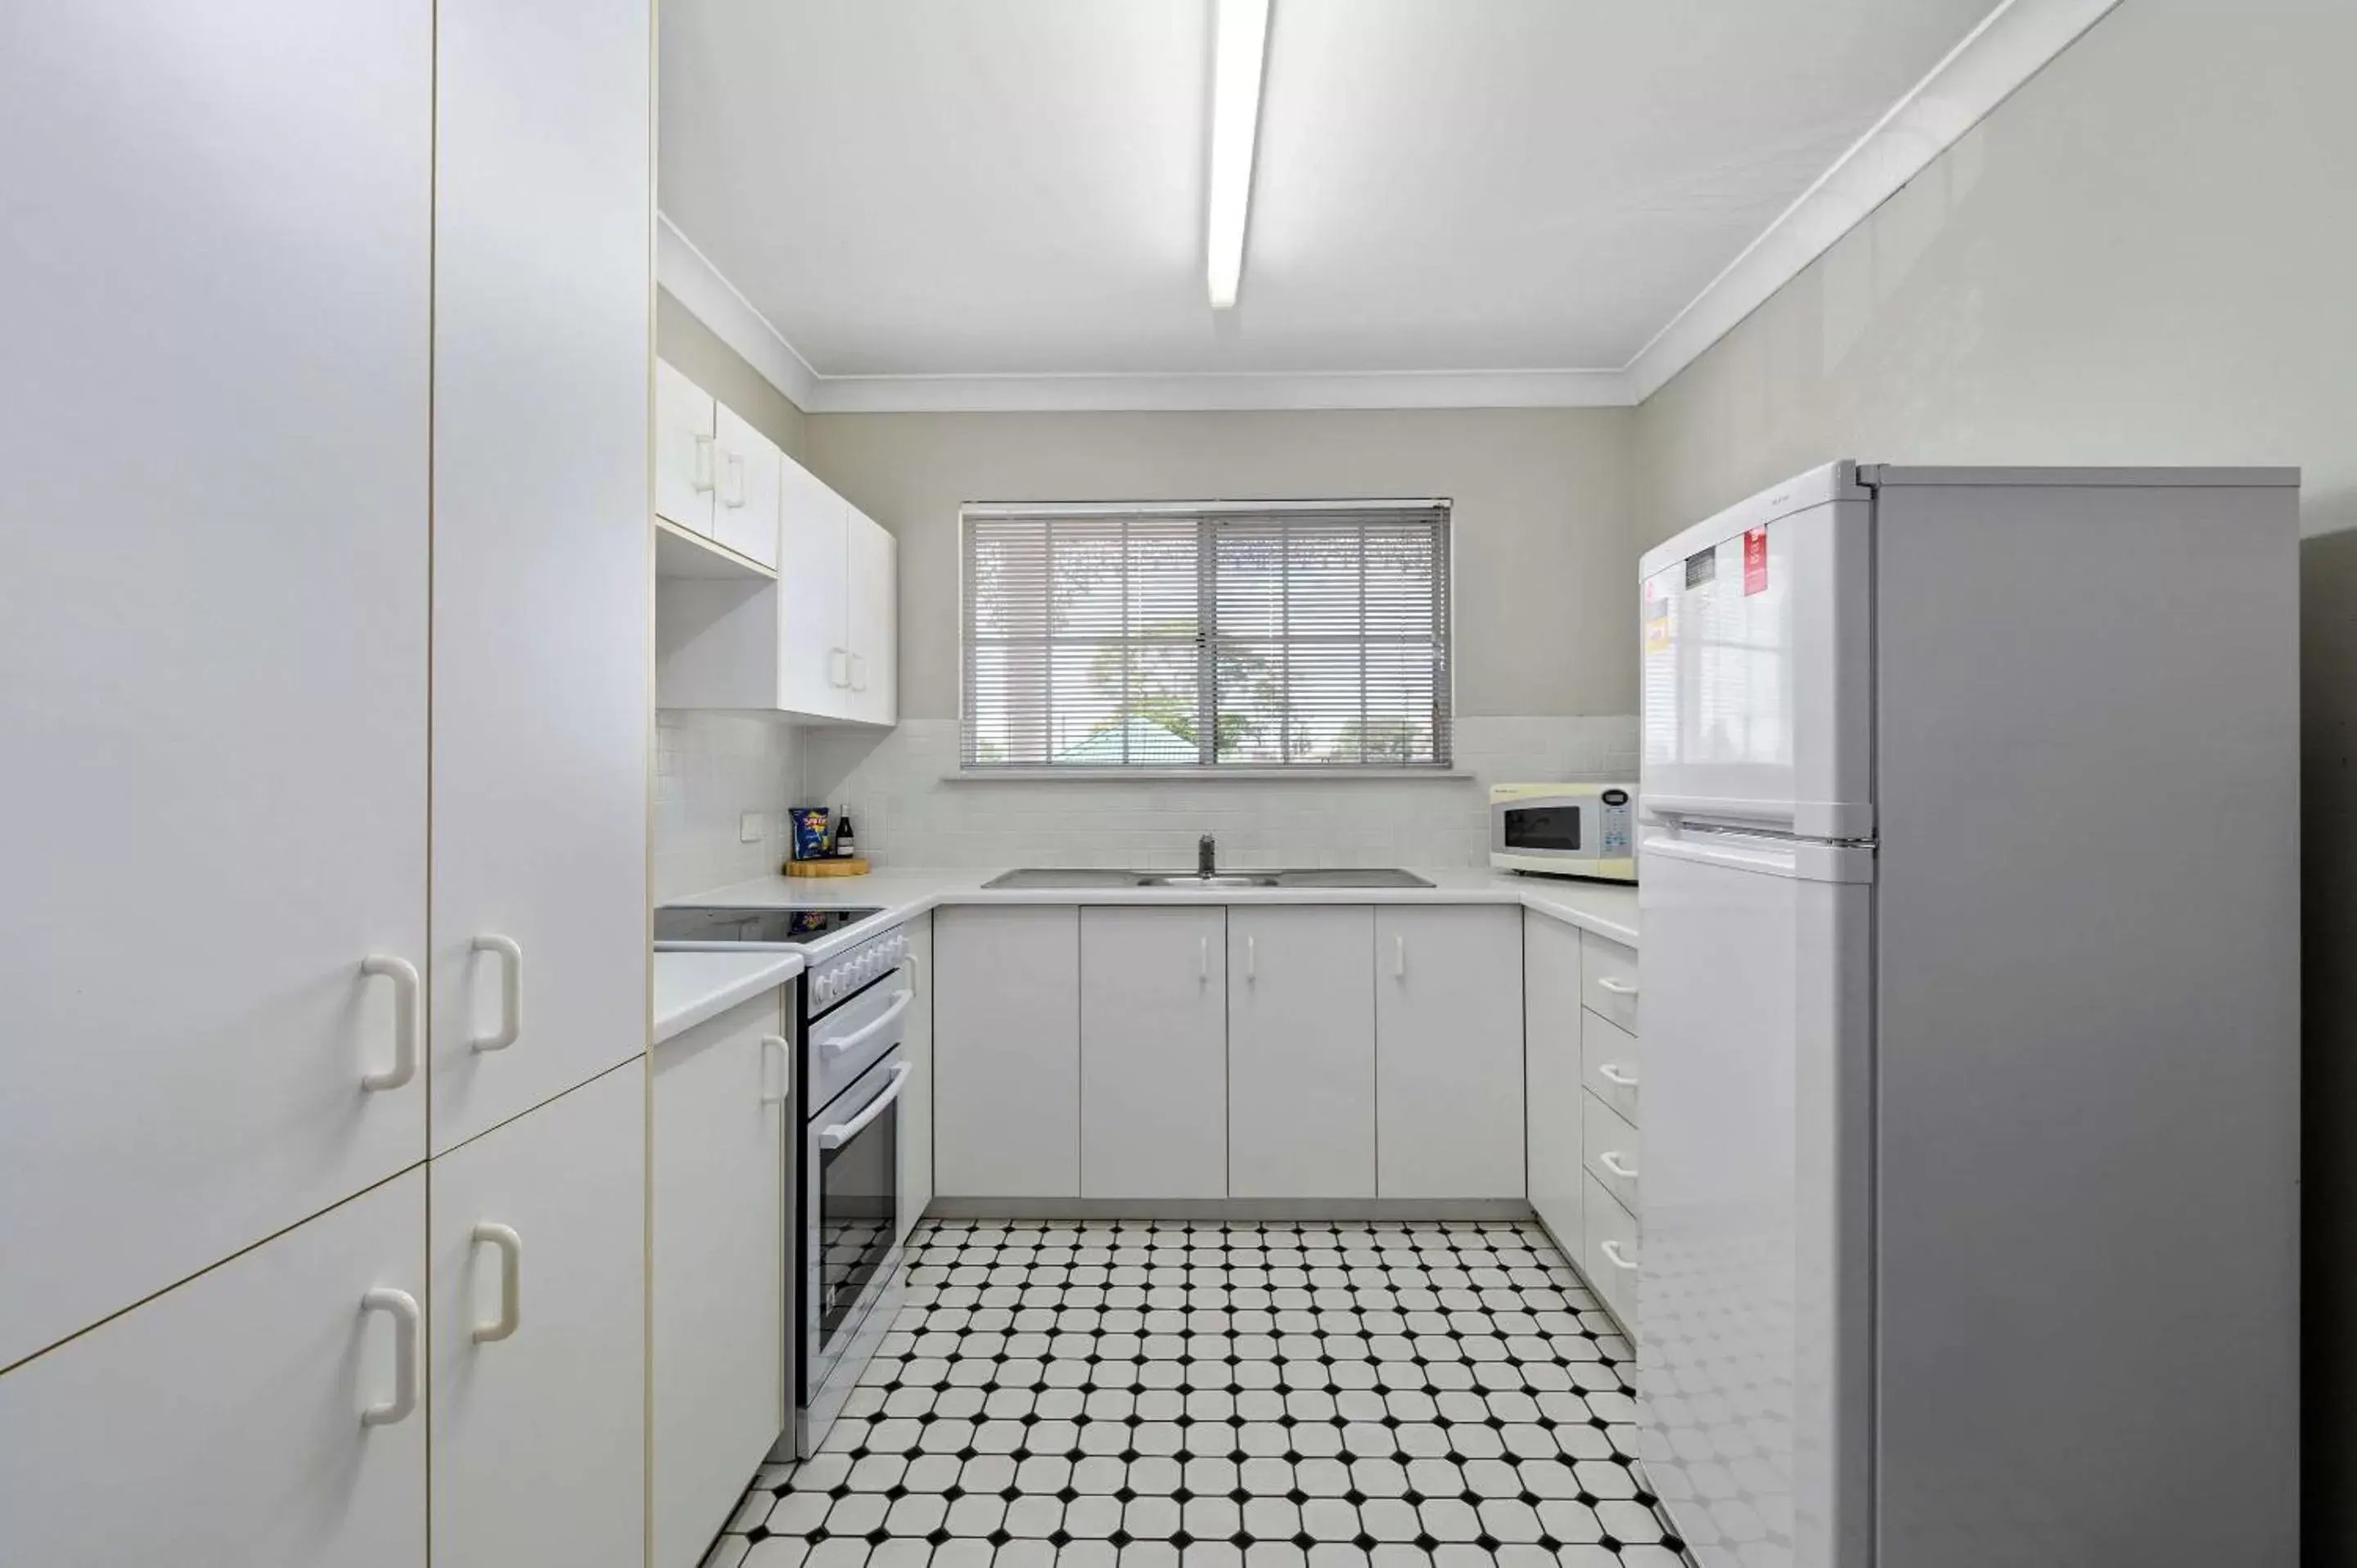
x=326, y=542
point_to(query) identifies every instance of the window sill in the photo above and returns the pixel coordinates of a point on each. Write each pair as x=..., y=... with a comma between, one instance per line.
x=1338, y=775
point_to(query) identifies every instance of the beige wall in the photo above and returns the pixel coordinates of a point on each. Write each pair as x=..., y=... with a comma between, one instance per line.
x=725, y=374
x=2147, y=256
x=1545, y=547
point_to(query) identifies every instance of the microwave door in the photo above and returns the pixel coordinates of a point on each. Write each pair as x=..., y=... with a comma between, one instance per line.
x=1543, y=828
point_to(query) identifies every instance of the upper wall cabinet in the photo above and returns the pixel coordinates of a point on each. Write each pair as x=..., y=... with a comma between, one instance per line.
x=716, y=475
x=817, y=643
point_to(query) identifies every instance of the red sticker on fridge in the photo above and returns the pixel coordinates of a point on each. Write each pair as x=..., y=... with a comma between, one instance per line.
x=1755, y=561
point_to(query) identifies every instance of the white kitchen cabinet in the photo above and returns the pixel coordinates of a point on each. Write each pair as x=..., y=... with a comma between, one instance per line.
x=687, y=450
x=213, y=583
x=221, y=1423
x=745, y=492
x=917, y=1098
x=540, y=576
x=1551, y=1046
x=1006, y=1052
x=872, y=619
x=1448, y=1051
x=1611, y=1150
x=1301, y=1052
x=1612, y=1254
x=1153, y=1053
x=1607, y=984
x=813, y=646
x=538, y=1368
x=819, y=643
x=720, y=1267
x=1611, y=1063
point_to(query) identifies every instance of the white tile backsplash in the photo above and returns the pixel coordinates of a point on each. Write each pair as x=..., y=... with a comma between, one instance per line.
x=909, y=812
x=711, y=768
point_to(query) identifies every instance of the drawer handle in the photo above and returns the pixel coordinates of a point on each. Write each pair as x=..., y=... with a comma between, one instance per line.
x=1616, y=1257
x=511, y=1246
x=1617, y=1076
x=1616, y=1161
x=1615, y=985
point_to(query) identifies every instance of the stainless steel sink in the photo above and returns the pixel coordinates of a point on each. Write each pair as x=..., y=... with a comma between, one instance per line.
x=1077, y=879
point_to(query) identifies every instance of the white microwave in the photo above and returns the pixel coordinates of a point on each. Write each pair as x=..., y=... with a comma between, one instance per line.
x=1564, y=830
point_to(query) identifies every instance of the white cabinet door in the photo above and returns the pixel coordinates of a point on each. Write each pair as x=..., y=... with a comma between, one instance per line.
x=745, y=498
x=220, y=1424
x=543, y=590
x=1301, y=1052
x=718, y=1189
x=538, y=1264
x=212, y=635
x=687, y=452
x=874, y=614
x=813, y=568
x=1610, y=1255
x=917, y=1098
x=1153, y=1053
x=1006, y=1052
x=1552, y=1070
x=1448, y=1052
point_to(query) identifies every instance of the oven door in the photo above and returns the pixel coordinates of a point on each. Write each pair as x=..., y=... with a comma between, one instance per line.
x=851, y=1251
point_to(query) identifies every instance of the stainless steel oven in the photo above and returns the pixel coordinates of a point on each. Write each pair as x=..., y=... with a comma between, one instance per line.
x=852, y=1210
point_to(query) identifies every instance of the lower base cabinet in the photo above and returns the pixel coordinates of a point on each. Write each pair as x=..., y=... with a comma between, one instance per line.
x=917, y=1098
x=1551, y=1049
x=220, y=1423
x=1301, y=1052
x=1448, y=1052
x=718, y=1188
x=538, y=1264
x=1153, y=1053
x=1006, y=1052
x=1609, y=1256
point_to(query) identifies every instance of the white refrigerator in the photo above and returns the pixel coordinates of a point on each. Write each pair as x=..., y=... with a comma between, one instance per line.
x=1969, y=892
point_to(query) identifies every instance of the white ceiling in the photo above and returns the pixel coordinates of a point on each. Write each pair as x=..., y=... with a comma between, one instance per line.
x=1015, y=187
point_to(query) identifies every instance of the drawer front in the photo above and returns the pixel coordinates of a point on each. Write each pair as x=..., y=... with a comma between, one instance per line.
x=1610, y=1065
x=1611, y=1257
x=1609, y=1149
x=1608, y=980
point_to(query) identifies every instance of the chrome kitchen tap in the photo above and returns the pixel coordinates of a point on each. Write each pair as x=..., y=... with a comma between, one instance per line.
x=1207, y=856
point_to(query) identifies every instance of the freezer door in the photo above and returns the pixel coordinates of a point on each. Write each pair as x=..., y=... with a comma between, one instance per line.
x=1755, y=1282
x=1758, y=663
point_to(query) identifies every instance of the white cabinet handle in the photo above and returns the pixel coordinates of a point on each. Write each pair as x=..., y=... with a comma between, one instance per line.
x=1616, y=986
x=859, y=671
x=402, y=1307
x=1251, y=960
x=841, y=1133
x=866, y=1032
x=511, y=1246
x=1616, y=1257
x=833, y=654
x=1616, y=1161
x=733, y=466
x=1202, y=960
x=405, y=990
x=1615, y=1074
x=511, y=993
x=1399, y=957
x=785, y=1070
x=701, y=476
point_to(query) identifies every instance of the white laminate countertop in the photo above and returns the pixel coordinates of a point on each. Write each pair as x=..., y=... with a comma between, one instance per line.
x=692, y=986
x=1609, y=911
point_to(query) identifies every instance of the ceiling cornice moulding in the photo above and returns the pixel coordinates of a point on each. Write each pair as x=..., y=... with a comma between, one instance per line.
x=2011, y=45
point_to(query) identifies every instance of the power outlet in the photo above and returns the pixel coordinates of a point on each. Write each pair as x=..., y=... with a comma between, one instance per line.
x=751, y=827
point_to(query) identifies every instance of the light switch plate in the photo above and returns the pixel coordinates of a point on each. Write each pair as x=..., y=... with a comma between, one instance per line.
x=749, y=827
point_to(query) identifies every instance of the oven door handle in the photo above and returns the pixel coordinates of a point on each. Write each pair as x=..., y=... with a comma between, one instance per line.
x=841, y=1133
x=868, y=1031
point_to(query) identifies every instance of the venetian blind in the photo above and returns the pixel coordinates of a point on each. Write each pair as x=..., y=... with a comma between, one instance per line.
x=1278, y=635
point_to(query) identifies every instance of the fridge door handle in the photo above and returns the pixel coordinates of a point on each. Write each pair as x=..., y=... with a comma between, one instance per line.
x=1812, y=860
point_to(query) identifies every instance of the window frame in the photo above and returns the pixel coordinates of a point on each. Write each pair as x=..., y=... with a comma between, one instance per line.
x=1442, y=765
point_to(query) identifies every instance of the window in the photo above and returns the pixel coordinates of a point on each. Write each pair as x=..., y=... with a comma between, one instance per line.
x=1276, y=635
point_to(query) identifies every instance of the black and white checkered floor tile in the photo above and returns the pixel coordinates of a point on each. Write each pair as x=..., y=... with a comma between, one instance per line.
x=1165, y=1395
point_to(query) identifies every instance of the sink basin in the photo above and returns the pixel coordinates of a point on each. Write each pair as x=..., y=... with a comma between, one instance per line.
x=1077, y=879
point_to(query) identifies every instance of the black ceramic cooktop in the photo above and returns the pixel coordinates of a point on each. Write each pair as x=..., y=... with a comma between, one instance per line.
x=772, y=928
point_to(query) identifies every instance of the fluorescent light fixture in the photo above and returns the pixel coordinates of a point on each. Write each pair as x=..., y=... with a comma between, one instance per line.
x=1239, y=48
